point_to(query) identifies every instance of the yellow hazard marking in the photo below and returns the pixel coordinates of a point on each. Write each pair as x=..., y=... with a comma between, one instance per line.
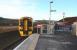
x=30, y=32
x=21, y=33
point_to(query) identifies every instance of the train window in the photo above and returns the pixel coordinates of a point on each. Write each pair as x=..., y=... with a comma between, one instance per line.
x=21, y=24
x=29, y=23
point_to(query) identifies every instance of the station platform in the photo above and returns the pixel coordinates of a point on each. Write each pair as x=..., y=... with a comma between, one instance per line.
x=48, y=42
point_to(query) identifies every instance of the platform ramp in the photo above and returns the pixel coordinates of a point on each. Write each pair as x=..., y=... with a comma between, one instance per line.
x=29, y=43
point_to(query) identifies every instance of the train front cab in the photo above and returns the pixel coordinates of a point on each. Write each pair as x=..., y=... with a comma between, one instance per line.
x=25, y=26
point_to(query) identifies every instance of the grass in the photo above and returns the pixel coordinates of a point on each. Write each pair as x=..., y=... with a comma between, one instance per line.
x=4, y=29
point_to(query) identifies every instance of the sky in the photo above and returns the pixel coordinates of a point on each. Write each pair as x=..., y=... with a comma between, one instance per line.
x=37, y=9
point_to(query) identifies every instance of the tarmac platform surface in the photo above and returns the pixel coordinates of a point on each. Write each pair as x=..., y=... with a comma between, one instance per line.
x=56, y=42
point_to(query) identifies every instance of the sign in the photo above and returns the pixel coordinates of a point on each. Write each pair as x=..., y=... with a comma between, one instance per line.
x=52, y=10
x=39, y=26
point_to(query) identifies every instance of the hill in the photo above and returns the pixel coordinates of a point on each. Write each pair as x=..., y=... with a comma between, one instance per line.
x=8, y=22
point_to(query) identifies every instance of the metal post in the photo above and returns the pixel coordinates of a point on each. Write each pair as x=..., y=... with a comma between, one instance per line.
x=37, y=30
x=41, y=30
x=63, y=16
x=50, y=19
x=63, y=19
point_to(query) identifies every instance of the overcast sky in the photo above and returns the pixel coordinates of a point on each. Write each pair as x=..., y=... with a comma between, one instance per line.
x=37, y=9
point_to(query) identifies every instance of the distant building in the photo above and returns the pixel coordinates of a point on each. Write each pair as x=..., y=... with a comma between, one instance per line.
x=69, y=20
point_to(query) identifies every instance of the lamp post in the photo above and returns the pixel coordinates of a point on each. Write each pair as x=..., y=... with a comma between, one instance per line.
x=50, y=19
x=50, y=12
x=63, y=16
x=63, y=19
x=49, y=29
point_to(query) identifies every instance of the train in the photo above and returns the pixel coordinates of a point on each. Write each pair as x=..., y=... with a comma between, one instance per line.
x=25, y=26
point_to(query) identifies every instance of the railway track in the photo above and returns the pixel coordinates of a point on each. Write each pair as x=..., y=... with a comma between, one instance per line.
x=14, y=44
x=9, y=40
